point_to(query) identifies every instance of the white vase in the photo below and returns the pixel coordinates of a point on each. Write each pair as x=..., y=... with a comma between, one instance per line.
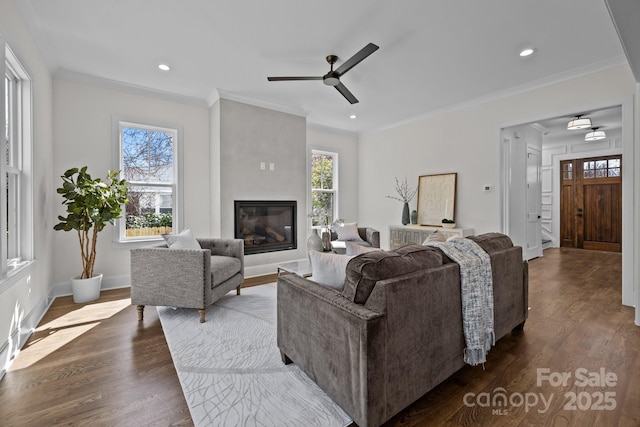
x=86, y=290
x=314, y=242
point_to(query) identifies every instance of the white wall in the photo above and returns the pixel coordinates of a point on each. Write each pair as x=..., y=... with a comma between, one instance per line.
x=23, y=303
x=467, y=141
x=250, y=135
x=83, y=135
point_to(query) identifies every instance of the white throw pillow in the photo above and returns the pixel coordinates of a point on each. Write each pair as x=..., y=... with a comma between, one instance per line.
x=348, y=231
x=329, y=269
x=184, y=240
x=356, y=249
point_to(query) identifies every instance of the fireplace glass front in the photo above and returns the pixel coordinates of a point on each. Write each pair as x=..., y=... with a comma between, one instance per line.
x=266, y=226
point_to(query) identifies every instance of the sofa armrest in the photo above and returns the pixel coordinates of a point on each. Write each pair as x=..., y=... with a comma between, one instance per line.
x=225, y=247
x=336, y=342
x=510, y=289
x=171, y=277
x=324, y=295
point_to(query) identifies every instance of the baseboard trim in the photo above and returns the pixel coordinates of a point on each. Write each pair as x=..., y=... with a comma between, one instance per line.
x=19, y=337
x=108, y=282
x=263, y=269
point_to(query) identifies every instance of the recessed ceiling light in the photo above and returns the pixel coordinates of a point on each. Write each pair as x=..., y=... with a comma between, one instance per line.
x=164, y=67
x=528, y=51
x=353, y=116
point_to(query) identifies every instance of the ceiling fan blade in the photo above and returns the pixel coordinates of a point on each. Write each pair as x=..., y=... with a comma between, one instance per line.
x=356, y=59
x=281, y=79
x=346, y=93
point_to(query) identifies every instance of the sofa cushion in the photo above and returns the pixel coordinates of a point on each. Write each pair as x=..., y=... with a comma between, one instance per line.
x=492, y=242
x=223, y=268
x=328, y=269
x=365, y=270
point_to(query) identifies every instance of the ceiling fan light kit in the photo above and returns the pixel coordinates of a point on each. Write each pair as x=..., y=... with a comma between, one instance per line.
x=579, y=123
x=332, y=78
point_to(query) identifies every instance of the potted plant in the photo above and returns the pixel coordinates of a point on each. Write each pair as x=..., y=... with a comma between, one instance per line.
x=91, y=205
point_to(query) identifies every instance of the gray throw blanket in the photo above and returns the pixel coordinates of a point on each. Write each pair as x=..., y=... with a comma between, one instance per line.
x=476, y=286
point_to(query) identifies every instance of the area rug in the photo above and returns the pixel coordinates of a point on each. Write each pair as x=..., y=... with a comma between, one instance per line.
x=231, y=371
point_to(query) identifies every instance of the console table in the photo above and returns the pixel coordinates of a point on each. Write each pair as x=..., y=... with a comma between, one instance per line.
x=400, y=235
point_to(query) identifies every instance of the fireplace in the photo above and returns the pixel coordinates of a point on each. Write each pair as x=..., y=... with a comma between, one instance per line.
x=265, y=226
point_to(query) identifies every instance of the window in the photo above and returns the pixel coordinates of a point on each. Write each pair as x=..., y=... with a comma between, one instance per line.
x=602, y=168
x=592, y=168
x=16, y=215
x=324, y=187
x=148, y=157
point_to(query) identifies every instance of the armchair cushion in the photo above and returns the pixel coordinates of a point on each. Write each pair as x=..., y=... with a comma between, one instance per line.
x=223, y=268
x=183, y=240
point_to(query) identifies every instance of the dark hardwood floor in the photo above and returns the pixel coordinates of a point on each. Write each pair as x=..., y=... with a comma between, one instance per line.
x=94, y=364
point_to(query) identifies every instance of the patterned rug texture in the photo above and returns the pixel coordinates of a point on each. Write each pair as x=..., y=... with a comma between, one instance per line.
x=230, y=367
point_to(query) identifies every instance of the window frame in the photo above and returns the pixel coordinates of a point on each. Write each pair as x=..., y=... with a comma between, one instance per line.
x=16, y=215
x=335, y=183
x=119, y=123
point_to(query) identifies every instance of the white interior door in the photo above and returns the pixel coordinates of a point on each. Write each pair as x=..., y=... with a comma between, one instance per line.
x=533, y=199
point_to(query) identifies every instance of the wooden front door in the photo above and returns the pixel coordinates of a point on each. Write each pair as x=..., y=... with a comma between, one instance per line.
x=591, y=203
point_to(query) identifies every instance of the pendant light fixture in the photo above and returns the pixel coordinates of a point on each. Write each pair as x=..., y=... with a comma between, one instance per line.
x=595, y=135
x=579, y=123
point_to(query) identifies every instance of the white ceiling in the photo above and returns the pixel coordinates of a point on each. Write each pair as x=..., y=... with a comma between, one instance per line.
x=433, y=54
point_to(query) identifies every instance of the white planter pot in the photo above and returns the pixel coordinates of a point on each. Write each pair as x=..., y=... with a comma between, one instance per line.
x=86, y=290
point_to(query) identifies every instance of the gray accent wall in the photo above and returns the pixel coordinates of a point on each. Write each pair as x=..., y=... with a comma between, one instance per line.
x=248, y=137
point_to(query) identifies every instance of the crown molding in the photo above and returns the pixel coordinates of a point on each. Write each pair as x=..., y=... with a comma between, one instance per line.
x=126, y=87
x=324, y=128
x=231, y=96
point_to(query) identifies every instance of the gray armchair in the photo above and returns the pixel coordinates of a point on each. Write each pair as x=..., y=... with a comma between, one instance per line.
x=186, y=278
x=370, y=238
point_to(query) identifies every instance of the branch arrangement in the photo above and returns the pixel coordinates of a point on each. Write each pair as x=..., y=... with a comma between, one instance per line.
x=403, y=190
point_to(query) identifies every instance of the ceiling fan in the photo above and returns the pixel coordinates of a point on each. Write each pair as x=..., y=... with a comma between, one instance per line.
x=332, y=78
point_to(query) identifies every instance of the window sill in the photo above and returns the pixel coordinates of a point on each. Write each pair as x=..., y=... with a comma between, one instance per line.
x=138, y=243
x=15, y=274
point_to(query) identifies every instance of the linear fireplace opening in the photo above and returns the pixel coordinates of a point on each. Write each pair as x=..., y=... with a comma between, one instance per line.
x=265, y=226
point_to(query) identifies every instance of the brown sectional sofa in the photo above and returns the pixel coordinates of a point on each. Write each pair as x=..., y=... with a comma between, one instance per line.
x=395, y=331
